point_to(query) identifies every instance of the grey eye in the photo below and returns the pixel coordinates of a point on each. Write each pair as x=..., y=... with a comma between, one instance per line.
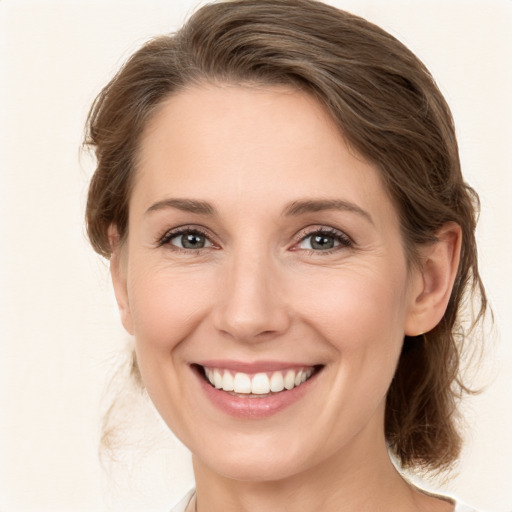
x=325, y=240
x=319, y=242
x=190, y=240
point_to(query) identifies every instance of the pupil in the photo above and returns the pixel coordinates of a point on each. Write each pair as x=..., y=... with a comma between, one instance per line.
x=322, y=242
x=192, y=241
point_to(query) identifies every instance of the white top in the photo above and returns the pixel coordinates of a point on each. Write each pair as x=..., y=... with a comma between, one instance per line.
x=460, y=507
x=182, y=505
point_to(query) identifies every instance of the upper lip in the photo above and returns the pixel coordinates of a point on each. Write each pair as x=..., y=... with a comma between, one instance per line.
x=252, y=367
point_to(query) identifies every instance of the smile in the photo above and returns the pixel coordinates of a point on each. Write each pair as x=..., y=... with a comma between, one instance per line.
x=254, y=390
x=259, y=384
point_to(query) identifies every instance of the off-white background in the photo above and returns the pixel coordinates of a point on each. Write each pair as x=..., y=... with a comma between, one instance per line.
x=59, y=331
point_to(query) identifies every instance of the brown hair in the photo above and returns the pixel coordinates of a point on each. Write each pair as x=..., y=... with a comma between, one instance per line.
x=388, y=108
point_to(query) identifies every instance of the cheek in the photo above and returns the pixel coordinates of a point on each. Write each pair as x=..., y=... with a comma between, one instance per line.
x=361, y=315
x=166, y=305
x=357, y=301
x=166, y=308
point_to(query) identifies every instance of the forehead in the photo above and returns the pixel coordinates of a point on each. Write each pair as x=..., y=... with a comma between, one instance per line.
x=250, y=143
x=238, y=119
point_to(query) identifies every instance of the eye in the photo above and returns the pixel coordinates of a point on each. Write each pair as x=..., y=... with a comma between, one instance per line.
x=188, y=239
x=324, y=240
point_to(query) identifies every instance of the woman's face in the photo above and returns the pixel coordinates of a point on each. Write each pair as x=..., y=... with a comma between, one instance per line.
x=262, y=251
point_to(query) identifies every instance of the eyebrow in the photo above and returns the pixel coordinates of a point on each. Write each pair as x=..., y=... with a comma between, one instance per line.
x=295, y=208
x=186, y=205
x=317, y=205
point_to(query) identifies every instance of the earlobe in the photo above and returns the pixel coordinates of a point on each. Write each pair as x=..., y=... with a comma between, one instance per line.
x=434, y=280
x=118, y=275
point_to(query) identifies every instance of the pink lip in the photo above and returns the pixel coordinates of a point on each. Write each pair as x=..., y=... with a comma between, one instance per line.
x=251, y=407
x=253, y=367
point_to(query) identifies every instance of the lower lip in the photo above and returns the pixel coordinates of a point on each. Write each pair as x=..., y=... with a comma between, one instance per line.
x=254, y=407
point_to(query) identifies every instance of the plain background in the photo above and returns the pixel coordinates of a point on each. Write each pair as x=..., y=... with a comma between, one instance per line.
x=59, y=329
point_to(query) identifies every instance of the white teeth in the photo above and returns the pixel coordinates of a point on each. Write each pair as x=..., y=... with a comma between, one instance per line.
x=258, y=384
x=276, y=382
x=227, y=382
x=217, y=379
x=242, y=383
x=289, y=380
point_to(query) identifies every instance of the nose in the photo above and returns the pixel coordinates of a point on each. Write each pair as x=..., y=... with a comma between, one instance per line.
x=251, y=305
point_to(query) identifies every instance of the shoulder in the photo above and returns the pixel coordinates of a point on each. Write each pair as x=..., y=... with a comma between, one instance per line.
x=181, y=506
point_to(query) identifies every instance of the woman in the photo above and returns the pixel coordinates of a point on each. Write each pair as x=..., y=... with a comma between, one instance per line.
x=279, y=193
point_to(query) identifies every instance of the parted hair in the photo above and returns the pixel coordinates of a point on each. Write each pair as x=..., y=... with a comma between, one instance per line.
x=387, y=107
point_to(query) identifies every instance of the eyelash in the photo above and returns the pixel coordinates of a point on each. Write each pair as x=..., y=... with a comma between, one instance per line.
x=343, y=240
x=166, y=238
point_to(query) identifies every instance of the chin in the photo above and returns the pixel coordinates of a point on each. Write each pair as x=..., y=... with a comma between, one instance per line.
x=266, y=469
x=256, y=461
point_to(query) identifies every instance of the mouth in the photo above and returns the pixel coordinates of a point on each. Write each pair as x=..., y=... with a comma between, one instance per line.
x=260, y=384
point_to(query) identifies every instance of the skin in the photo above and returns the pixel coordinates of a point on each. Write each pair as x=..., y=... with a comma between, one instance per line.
x=259, y=291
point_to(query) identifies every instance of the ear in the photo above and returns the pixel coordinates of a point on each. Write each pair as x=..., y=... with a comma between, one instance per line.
x=118, y=270
x=433, y=280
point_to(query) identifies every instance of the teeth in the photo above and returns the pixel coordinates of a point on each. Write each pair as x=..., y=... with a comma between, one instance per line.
x=217, y=379
x=258, y=384
x=276, y=382
x=228, y=382
x=289, y=380
x=242, y=383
